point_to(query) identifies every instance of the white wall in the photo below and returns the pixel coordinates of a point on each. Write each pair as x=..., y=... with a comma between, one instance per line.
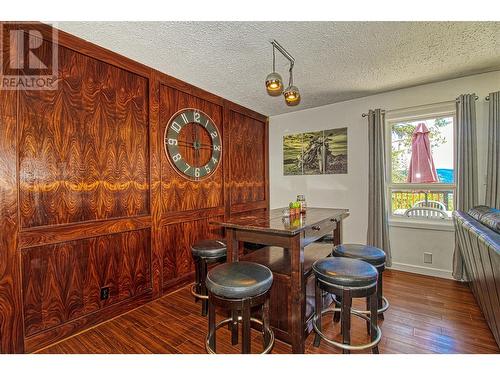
x=351, y=190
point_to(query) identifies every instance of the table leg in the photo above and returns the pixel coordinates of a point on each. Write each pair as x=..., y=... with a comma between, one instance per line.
x=337, y=233
x=298, y=294
x=232, y=245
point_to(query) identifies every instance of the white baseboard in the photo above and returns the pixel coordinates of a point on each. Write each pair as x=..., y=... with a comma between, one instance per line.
x=428, y=271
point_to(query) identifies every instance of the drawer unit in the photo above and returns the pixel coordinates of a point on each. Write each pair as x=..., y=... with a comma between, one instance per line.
x=321, y=229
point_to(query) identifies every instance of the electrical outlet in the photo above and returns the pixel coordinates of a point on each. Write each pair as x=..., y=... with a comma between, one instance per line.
x=428, y=258
x=104, y=293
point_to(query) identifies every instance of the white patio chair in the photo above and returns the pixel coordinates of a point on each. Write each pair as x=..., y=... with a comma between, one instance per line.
x=426, y=212
x=431, y=204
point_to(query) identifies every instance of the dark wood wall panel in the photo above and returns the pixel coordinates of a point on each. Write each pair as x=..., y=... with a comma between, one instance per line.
x=178, y=193
x=63, y=233
x=177, y=240
x=247, y=147
x=155, y=186
x=11, y=338
x=62, y=282
x=83, y=148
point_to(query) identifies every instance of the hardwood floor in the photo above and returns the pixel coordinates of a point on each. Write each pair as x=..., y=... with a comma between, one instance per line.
x=427, y=315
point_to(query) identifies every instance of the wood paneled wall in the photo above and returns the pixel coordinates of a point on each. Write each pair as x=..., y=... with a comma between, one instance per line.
x=62, y=282
x=248, y=148
x=83, y=149
x=88, y=198
x=11, y=325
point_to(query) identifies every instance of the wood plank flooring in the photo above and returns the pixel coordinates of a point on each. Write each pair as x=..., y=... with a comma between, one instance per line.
x=427, y=315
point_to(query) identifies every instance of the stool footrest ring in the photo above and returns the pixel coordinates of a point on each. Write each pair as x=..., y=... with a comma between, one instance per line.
x=255, y=320
x=195, y=294
x=385, y=306
x=369, y=345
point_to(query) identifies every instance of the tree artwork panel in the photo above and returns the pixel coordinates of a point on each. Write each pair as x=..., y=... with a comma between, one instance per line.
x=313, y=153
x=292, y=154
x=335, y=151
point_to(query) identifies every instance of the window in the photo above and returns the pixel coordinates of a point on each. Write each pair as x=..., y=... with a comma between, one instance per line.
x=421, y=164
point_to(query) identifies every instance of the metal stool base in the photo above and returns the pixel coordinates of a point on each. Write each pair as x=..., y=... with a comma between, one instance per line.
x=385, y=306
x=255, y=320
x=369, y=345
x=195, y=294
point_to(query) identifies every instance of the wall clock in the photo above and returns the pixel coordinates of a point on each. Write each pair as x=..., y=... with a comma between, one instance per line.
x=193, y=144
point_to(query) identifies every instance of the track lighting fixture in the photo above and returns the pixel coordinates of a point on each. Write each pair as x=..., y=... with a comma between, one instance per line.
x=274, y=82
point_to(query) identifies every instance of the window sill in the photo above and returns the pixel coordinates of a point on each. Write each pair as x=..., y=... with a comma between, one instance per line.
x=442, y=225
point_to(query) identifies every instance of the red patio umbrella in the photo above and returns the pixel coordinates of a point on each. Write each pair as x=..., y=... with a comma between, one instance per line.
x=422, y=168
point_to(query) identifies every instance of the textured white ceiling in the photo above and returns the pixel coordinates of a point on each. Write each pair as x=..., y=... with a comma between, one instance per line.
x=335, y=61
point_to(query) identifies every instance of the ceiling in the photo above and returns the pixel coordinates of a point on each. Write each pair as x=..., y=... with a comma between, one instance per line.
x=335, y=61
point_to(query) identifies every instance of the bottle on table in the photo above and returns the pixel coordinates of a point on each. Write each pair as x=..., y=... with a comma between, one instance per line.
x=303, y=205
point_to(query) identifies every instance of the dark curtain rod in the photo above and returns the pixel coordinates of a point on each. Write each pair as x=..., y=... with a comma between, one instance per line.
x=456, y=100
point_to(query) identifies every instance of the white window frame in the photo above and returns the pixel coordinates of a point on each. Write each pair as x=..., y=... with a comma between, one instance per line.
x=446, y=109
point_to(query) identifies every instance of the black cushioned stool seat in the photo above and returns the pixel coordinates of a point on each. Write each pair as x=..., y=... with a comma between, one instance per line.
x=345, y=272
x=205, y=252
x=347, y=278
x=239, y=287
x=239, y=280
x=369, y=254
x=209, y=248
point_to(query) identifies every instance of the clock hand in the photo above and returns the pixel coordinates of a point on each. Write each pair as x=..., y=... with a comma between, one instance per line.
x=196, y=133
x=202, y=145
x=197, y=157
x=191, y=143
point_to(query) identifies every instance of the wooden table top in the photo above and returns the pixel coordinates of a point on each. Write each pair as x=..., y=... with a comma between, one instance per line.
x=272, y=221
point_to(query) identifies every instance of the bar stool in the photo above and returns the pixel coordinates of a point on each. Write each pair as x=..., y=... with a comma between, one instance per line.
x=349, y=278
x=372, y=255
x=205, y=252
x=239, y=287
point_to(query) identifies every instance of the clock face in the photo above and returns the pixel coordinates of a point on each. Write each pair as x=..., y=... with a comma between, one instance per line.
x=193, y=144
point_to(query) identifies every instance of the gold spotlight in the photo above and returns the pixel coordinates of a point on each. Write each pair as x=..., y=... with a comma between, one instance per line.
x=274, y=82
x=292, y=95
